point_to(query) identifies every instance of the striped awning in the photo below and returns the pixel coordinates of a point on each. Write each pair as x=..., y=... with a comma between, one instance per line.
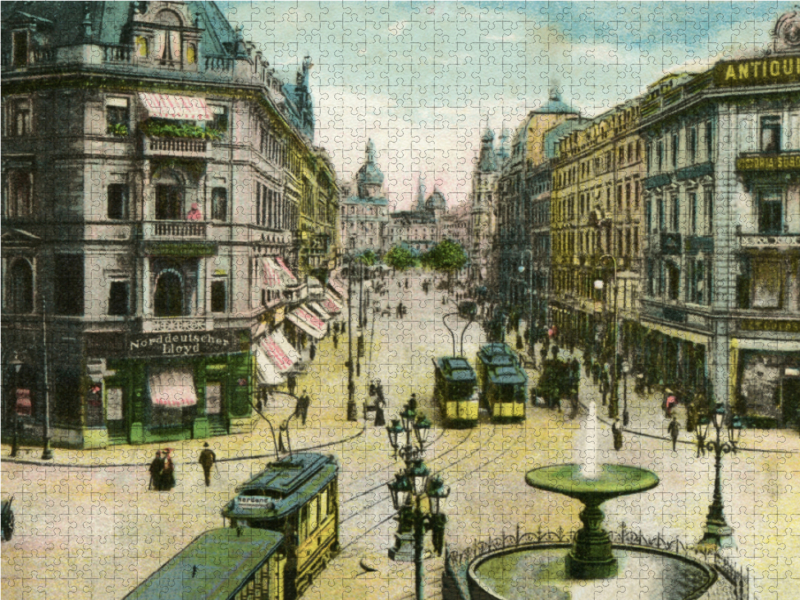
x=181, y=108
x=320, y=311
x=172, y=387
x=268, y=373
x=337, y=287
x=330, y=304
x=276, y=354
x=289, y=278
x=286, y=346
x=308, y=322
x=272, y=274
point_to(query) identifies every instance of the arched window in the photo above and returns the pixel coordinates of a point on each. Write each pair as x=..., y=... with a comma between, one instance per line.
x=168, y=298
x=19, y=284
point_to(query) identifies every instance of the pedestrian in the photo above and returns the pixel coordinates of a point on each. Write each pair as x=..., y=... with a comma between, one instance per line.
x=312, y=351
x=207, y=460
x=406, y=283
x=670, y=403
x=336, y=327
x=168, y=472
x=259, y=406
x=380, y=403
x=674, y=429
x=412, y=403
x=616, y=432
x=335, y=340
x=283, y=428
x=155, y=472
x=343, y=328
x=605, y=385
x=701, y=442
x=292, y=383
x=304, y=406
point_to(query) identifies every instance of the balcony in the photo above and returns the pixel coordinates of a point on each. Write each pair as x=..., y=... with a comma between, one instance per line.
x=176, y=148
x=699, y=243
x=757, y=241
x=174, y=230
x=170, y=324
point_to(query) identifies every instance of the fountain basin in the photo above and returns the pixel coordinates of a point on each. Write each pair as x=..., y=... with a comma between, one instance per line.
x=541, y=572
x=591, y=556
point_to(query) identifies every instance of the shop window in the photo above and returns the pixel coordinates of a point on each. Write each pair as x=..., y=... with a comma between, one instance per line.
x=770, y=212
x=168, y=297
x=218, y=296
x=169, y=202
x=119, y=298
x=94, y=406
x=19, y=195
x=68, y=284
x=117, y=201
x=770, y=134
x=19, y=41
x=118, y=117
x=67, y=396
x=219, y=204
x=19, y=287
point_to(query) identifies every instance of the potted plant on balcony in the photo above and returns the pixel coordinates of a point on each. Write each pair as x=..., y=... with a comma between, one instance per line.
x=179, y=129
x=117, y=129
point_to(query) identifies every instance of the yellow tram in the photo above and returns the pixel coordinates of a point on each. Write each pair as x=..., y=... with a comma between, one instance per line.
x=296, y=496
x=503, y=383
x=454, y=391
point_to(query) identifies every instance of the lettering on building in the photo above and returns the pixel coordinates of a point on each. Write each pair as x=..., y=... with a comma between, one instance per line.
x=766, y=71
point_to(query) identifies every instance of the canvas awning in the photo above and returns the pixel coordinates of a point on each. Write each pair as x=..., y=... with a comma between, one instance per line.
x=275, y=354
x=315, y=287
x=173, y=387
x=286, y=273
x=272, y=274
x=337, y=287
x=181, y=108
x=309, y=323
x=268, y=373
x=284, y=344
x=330, y=304
x=320, y=311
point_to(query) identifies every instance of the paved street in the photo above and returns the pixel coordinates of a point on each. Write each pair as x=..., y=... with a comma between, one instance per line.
x=91, y=532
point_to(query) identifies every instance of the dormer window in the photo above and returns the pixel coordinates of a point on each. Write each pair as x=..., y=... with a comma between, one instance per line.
x=20, y=48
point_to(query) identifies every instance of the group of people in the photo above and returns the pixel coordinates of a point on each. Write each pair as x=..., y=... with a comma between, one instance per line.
x=376, y=391
x=162, y=471
x=401, y=310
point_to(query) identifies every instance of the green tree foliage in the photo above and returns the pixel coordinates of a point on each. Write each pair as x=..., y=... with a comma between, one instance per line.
x=399, y=258
x=367, y=258
x=447, y=256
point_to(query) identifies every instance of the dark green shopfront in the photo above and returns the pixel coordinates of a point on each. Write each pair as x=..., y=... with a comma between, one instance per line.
x=173, y=386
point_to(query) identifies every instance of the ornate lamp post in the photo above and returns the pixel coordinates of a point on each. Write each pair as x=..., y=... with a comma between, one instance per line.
x=352, y=413
x=408, y=489
x=613, y=405
x=626, y=368
x=717, y=533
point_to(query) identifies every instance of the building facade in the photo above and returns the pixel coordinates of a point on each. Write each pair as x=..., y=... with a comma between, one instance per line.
x=482, y=222
x=156, y=180
x=522, y=247
x=365, y=214
x=421, y=228
x=721, y=303
x=596, y=214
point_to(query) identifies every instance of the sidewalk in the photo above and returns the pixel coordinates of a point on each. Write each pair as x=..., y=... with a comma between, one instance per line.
x=647, y=418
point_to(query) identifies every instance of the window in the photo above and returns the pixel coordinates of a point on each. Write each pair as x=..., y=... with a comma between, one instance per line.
x=770, y=134
x=648, y=217
x=649, y=156
x=696, y=283
x=675, y=148
x=693, y=212
x=118, y=298
x=220, y=120
x=20, y=118
x=20, y=44
x=676, y=214
x=708, y=200
x=168, y=297
x=169, y=202
x=19, y=196
x=19, y=287
x=662, y=217
x=219, y=204
x=68, y=284
x=218, y=296
x=770, y=212
x=660, y=156
x=709, y=141
x=627, y=195
x=118, y=201
x=117, y=116
x=674, y=280
x=692, y=145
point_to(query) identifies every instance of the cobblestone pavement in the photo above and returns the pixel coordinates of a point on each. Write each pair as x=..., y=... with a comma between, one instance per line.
x=87, y=527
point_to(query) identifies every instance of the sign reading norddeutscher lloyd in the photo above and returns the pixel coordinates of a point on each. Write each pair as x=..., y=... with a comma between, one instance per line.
x=183, y=344
x=758, y=71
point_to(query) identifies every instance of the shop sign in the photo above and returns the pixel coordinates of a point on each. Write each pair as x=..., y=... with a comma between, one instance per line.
x=769, y=325
x=188, y=249
x=183, y=344
x=757, y=72
x=786, y=161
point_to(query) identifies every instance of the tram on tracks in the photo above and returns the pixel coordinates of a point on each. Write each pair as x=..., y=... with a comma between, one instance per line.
x=502, y=382
x=455, y=391
x=296, y=496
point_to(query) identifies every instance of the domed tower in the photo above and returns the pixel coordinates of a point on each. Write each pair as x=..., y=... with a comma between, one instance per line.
x=420, y=193
x=369, y=178
x=487, y=161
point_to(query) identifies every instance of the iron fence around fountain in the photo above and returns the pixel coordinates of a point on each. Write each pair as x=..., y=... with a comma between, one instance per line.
x=738, y=578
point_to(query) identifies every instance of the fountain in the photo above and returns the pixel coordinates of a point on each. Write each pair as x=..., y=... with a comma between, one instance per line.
x=592, y=484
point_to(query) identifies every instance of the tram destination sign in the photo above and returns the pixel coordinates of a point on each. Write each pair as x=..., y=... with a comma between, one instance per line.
x=754, y=72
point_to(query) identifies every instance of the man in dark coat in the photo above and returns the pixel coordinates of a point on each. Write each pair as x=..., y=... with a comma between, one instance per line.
x=616, y=432
x=674, y=429
x=155, y=471
x=312, y=352
x=207, y=460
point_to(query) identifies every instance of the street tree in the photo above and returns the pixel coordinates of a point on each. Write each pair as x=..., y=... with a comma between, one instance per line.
x=399, y=258
x=446, y=257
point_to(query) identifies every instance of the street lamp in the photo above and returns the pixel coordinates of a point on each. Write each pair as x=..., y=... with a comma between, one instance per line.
x=16, y=365
x=352, y=413
x=613, y=405
x=717, y=533
x=408, y=489
x=626, y=368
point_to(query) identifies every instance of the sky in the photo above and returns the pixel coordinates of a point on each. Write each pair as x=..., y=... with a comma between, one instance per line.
x=423, y=79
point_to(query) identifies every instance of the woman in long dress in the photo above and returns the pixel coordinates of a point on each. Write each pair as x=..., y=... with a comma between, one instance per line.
x=380, y=403
x=168, y=472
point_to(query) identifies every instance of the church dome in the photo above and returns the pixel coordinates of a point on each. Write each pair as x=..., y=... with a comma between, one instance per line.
x=369, y=173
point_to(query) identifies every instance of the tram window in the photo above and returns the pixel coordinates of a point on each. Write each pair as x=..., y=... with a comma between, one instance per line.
x=313, y=514
x=302, y=533
x=323, y=504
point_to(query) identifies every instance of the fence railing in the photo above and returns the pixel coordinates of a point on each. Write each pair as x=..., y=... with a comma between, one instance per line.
x=738, y=577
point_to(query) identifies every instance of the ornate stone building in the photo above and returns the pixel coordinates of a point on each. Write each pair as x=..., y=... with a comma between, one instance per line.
x=365, y=214
x=162, y=201
x=482, y=222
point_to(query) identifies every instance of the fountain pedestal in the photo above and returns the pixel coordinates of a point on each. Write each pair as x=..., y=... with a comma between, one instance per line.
x=591, y=556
